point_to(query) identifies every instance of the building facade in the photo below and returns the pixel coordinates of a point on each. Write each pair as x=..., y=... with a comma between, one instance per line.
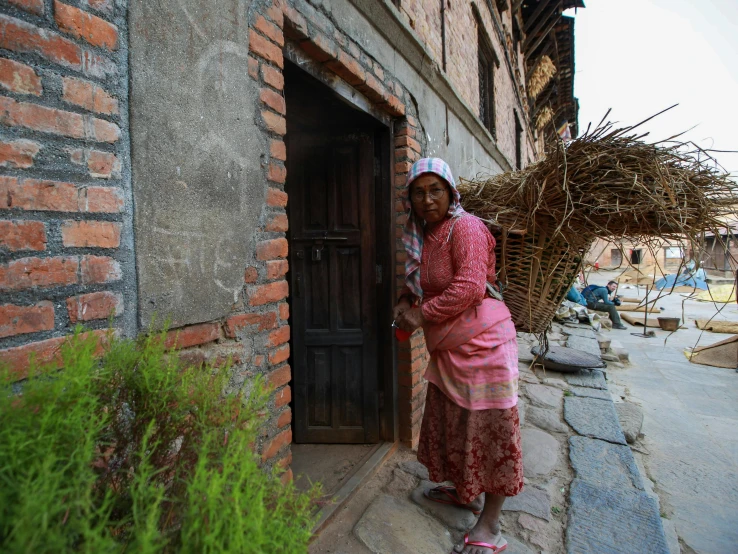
x=620, y=254
x=234, y=168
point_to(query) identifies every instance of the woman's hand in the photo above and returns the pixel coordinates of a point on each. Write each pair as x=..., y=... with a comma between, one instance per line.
x=401, y=307
x=410, y=320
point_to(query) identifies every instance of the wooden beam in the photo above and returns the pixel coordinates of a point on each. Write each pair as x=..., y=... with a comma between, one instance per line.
x=534, y=17
x=533, y=41
x=532, y=62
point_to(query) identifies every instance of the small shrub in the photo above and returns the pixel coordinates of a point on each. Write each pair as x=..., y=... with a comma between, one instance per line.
x=136, y=453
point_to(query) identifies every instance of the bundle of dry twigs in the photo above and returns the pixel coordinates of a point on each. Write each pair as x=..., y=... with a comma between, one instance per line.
x=609, y=182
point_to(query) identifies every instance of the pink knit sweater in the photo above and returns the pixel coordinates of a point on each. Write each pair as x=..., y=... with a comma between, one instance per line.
x=471, y=338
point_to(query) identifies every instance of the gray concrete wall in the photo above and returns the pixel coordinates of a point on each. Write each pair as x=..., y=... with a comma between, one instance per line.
x=198, y=183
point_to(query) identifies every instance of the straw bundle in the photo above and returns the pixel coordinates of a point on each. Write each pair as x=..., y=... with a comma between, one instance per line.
x=540, y=77
x=607, y=183
x=611, y=183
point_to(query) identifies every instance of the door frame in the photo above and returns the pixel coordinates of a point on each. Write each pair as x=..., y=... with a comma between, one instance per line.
x=385, y=243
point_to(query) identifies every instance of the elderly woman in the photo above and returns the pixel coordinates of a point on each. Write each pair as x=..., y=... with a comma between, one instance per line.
x=470, y=434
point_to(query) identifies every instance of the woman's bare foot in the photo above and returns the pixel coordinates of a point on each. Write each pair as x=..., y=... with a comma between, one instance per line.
x=478, y=536
x=487, y=529
x=449, y=495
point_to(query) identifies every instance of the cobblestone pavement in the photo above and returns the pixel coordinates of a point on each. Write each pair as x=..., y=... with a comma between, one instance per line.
x=594, y=503
x=689, y=439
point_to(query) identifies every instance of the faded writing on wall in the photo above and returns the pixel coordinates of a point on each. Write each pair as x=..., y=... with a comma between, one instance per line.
x=197, y=178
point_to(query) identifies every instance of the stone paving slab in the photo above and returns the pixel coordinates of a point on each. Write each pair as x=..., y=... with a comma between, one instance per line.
x=524, y=354
x=594, y=379
x=593, y=418
x=548, y=420
x=540, y=452
x=514, y=546
x=631, y=420
x=454, y=517
x=414, y=467
x=604, y=464
x=531, y=500
x=558, y=383
x=396, y=526
x=522, y=408
x=608, y=521
x=590, y=393
x=544, y=396
x=585, y=344
x=579, y=331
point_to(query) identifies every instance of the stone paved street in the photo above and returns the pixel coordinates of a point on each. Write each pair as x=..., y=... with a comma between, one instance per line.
x=690, y=427
x=666, y=475
x=583, y=492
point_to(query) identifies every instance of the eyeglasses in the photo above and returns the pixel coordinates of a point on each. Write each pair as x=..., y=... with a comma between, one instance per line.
x=435, y=194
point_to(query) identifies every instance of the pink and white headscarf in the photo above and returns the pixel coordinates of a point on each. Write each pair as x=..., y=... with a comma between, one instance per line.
x=412, y=235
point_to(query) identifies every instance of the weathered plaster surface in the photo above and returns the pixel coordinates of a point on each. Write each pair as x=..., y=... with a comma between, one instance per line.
x=198, y=182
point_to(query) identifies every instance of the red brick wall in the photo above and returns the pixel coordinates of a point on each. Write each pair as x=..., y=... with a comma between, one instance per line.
x=64, y=218
x=256, y=335
x=319, y=38
x=66, y=239
x=424, y=16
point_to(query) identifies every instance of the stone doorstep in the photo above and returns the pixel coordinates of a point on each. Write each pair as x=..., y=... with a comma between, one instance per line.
x=364, y=472
x=393, y=525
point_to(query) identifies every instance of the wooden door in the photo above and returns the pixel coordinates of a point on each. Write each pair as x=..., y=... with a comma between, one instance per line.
x=333, y=286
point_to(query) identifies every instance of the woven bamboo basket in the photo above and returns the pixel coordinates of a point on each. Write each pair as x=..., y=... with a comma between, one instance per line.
x=536, y=267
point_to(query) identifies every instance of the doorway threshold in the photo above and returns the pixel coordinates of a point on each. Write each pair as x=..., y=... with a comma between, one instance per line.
x=363, y=470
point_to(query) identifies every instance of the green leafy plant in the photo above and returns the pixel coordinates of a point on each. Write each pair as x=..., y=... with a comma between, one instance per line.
x=133, y=452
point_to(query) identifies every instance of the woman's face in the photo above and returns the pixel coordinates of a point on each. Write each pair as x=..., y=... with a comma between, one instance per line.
x=430, y=197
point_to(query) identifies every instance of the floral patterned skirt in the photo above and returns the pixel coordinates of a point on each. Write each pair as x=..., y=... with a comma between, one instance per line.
x=478, y=450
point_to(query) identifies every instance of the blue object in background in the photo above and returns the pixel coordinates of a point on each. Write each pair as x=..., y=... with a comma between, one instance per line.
x=575, y=296
x=681, y=280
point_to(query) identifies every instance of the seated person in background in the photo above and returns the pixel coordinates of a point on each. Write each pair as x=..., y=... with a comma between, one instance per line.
x=598, y=298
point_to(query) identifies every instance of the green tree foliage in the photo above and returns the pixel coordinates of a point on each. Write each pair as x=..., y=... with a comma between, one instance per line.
x=134, y=452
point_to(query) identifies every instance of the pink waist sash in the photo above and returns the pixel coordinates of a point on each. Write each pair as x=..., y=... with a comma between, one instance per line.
x=474, y=357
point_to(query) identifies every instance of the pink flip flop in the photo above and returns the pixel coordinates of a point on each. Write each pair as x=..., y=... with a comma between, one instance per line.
x=492, y=547
x=452, y=500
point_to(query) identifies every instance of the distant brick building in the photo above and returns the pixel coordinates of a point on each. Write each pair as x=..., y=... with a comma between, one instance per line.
x=621, y=254
x=235, y=166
